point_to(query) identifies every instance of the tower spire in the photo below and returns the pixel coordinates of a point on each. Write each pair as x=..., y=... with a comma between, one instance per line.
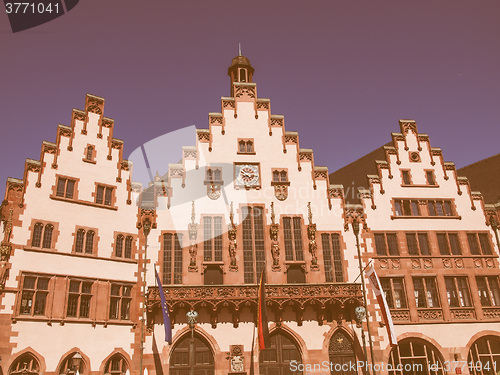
x=239, y=49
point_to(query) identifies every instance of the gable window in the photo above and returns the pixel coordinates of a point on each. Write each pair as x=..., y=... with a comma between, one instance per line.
x=448, y=243
x=425, y=290
x=457, y=291
x=440, y=208
x=89, y=153
x=386, y=244
x=292, y=230
x=213, y=175
x=172, y=258
x=65, y=187
x=104, y=195
x=42, y=235
x=280, y=176
x=431, y=179
x=245, y=146
x=121, y=242
x=417, y=243
x=489, y=290
x=212, y=239
x=406, y=207
x=119, y=302
x=394, y=292
x=34, y=295
x=79, y=296
x=253, y=243
x=84, y=241
x=406, y=177
x=332, y=257
x=479, y=243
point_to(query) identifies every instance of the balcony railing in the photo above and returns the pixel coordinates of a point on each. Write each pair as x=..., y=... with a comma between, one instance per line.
x=333, y=300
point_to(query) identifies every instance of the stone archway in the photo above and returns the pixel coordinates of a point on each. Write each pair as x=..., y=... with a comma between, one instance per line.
x=180, y=360
x=276, y=360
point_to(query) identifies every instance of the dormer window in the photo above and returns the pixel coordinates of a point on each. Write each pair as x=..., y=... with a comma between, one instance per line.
x=89, y=155
x=245, y=146
x=90, y=152
x=280, y=176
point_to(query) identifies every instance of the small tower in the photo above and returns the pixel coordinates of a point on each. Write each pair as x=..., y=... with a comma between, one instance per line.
x=240, y=70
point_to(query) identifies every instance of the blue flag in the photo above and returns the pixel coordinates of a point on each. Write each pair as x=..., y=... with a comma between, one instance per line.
x=164, y=310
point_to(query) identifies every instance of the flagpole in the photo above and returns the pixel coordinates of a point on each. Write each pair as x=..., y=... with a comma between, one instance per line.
x=357, y=277
x=146, y=227
x=355, y=227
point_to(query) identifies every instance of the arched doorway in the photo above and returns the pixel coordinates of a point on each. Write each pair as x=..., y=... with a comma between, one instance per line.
x=276, y=360
x=203, y=357
x=414, y=356
x=484, y=355
x=341, y=354
x=69, y=366
x=26, y=364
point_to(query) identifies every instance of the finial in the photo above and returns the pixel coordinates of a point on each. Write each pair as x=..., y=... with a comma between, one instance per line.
x=231, y=215
x=309, y=212
x=239, y=49
x=272, y=212
x=193, y=215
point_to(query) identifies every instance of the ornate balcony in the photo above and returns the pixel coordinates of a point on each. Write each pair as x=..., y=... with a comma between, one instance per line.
x=329, y=301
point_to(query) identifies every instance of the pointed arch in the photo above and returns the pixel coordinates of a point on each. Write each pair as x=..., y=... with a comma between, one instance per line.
x=341, y=352
x=62, y=366
x=284, y=349
x=118, y=352
x=180, y=360
x=20, y=356
x=418, y=353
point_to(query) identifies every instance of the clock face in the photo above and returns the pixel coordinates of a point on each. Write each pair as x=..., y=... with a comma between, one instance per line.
x=247, y=175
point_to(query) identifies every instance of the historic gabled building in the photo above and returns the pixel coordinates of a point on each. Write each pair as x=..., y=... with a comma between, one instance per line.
x=81, y=239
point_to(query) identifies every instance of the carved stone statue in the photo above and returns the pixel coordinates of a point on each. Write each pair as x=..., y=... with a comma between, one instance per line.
x=233, y=246
x=193, y=247
x=236, y=359
x=275, y=247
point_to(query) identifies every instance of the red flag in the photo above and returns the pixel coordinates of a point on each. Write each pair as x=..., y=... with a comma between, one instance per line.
x=262, y=328
x=384, y=309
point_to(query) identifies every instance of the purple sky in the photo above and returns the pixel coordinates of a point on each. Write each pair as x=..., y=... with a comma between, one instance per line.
x=342, y=72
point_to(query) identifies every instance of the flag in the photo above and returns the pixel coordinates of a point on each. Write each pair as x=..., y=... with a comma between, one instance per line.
x=262, y=328
x=164, y=310
x=386, y=314
x=252, y=369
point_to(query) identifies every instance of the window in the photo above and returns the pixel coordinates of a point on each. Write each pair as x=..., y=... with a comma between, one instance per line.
x=26, y=364
x=431, y=180
x=104, y=195
x=245, y=146
x=386, y=242
x=116, y=365
x=457, y=291
x=406, y=207
x=34, y=295
x=416, y=355
x=406, y=177
x=80, y=294
x=119, y=302
x=293, y=239
x=89, y=153
x=68, y=368
x=479, y=243
x=418, y=243
x=484, y=356
x=181, y=361
x=212, y=239
x=214, y=175
x=42, y=235
x=65, y=187
x=84, y=241
x=449, y=242
x=489, y=291
x=119, y=250
x=253, y=243
x=426, y=295
x=440, y=208
x=394, y=291
x=280, y=176
x=172, y=256
x=332, y=257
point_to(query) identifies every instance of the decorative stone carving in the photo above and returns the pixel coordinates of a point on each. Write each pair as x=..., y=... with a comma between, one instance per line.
x=215, y=119
x=335, y=192
x=193, y=247
x=459, y=263
x=203, y=135
x=236, y=358
x=5, y=247
x=233, y=246
x=414, y=156
x=427, y=263
x=446, y=263
x=262, y=105
x=478, y=263
x=463, y=313
x=277, y=121
x=291, y=138
x=400, y=315
x=430, y=314
x=408, y=126
x=228, y=104
x=311, y=235
x=275, y=247
x=396, y=264
x=305, y=156
x=79, y=115
x=489, y=263
x=107, y=122
x=214, y=191
x=281, y=192
x=415, y=263
x=491, y=313
x=244, y=90
x=383, y=264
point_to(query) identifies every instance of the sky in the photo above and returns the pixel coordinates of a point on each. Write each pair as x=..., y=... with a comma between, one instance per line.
x=341, y=72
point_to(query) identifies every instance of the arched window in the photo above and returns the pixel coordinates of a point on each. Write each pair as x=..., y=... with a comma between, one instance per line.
x=26, y=364
x=89, y=242
x=47, y=236
x=209, y=175
x=412, y=357
x=217, y=175
x=70, y=365
x=37, y=235
x=116, y=365
x=84, y=238
x=203, y=357
x=341, y=353
x=90, y=153
x=276, y=176
x=483, y=355
x=119, y=246
x=243, y=146
x=128, y=247
x=276, y=359
x=249, y=146
x=80, y=235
